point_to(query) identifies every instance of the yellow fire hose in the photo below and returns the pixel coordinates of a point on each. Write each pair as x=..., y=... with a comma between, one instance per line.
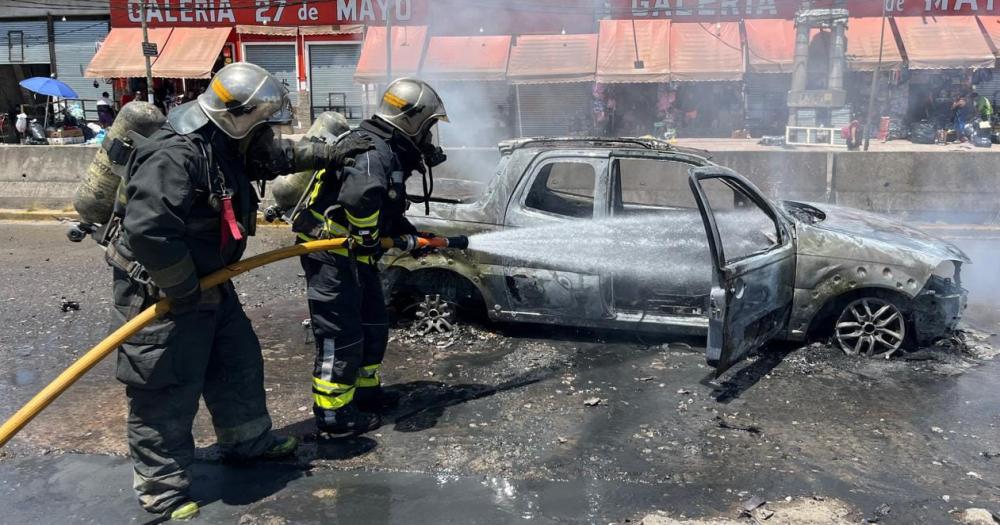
x=69, y=376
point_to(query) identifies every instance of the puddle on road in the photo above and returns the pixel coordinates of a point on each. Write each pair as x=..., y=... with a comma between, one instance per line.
x=24, y=377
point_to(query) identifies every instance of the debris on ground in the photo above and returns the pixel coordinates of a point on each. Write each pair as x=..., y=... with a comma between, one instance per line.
x=969, y=342
x=594, y=401
x=974, y=516
x=751, y=504
x=752, y=429
x=68, y=305
x=800, y=511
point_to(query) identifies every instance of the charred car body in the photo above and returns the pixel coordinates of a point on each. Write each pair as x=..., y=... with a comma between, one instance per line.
x=786, y=270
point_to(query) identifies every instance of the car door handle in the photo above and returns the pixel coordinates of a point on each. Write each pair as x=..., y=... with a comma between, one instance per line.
x=738, y=289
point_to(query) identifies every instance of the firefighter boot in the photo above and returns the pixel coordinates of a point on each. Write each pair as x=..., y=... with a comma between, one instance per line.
x=184, y=511
x=346, y=420
x=283, y=447
x=376, y=400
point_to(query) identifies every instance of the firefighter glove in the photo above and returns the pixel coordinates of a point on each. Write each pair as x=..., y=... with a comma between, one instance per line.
x=347, y=148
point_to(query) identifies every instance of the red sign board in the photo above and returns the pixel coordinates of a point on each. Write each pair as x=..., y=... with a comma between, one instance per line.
x=207, y=13
x=711, y=10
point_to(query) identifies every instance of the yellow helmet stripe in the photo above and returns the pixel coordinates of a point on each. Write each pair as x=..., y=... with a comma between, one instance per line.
x=221, y=91
x=394, y=101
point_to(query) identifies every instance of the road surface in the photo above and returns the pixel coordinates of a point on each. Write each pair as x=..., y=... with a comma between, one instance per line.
x=496, y=424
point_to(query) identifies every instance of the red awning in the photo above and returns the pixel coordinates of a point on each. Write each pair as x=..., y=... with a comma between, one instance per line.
x=992, y=26
x=467, y=58
x=407, y=50
x=705, y=51
x=946, y=42
x=617, y=45
x=770, y=45
x=543, y=59
x=120, y=55
x=863, y=45
x=191, y=52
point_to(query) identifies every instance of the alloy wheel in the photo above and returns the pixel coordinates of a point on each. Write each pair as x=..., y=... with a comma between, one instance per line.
x=870, y=327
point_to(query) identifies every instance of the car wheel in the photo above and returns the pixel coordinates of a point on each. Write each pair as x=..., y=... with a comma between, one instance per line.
x=872, y=327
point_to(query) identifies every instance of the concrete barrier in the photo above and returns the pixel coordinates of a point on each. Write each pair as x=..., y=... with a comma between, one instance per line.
x=947, y=186
x=957, y=186
x=41, y=176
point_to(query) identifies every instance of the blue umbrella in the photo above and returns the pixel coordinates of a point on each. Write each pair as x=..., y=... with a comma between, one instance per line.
x=49, y=86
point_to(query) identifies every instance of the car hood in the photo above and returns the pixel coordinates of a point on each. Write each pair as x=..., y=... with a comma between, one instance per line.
x=866, y=236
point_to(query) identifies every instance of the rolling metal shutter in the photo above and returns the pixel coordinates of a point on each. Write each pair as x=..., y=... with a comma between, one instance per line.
x=548, y=110
x=766, y=106
x=331, y=73
x=33, y=48
x=76, y=43
x=280, y=61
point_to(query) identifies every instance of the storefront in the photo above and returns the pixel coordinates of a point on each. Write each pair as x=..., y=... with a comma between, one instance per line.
x=667, y=79
x=553, y=79
x=313, y=49
x=25, y=52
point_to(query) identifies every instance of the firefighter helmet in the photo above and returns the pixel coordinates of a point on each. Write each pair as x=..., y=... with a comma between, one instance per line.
x=242, y=96
x=411, y=106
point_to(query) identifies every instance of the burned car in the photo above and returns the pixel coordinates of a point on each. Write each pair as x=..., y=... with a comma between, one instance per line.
x=698, y=249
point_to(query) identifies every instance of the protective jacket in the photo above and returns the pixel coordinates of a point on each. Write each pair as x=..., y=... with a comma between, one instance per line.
x=185, y=212
x=177, y=223
x=369, y=195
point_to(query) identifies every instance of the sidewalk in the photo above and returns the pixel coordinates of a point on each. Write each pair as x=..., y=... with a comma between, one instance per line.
x=719, y=145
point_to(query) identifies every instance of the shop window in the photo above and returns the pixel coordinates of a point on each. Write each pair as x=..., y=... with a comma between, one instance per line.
x=563, y=188
x=15, y=46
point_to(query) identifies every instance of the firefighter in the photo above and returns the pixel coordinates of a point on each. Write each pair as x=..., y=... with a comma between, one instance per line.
x=186, y=209
x=366, y=200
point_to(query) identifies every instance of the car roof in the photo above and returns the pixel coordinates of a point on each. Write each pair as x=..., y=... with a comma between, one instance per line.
x=645, y=144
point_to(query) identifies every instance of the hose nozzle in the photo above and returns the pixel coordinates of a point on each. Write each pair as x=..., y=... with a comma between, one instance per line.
x=412, y=242
x=458, y=242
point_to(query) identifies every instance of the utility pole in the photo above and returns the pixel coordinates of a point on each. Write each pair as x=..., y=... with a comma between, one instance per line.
x=388, y=44
x=875, y=75
x=145, y=43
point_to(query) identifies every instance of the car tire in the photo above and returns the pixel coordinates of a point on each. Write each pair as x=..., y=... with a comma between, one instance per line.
x=873, y=326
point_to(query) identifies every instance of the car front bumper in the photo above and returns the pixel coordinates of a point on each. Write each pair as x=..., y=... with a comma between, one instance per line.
x=937, y=309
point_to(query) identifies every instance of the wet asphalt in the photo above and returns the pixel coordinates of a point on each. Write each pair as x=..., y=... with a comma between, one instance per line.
x=508, y=424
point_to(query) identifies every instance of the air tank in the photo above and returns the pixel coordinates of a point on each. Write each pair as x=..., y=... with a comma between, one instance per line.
x=288, y=189
x=95, y=196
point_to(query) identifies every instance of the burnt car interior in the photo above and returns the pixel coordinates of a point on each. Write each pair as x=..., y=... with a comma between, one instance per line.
x=565, y=189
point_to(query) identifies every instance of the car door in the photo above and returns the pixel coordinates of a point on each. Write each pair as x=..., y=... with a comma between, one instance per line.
x=669, y=275
x=558, y=188
x=753, y=256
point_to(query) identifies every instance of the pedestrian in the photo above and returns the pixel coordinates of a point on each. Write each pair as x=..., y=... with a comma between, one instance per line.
x=364, y=202
x=960, y=110
x=984, y=110
x=188, y=207
x=21, y=124
x=852, y=134
x=105, y=110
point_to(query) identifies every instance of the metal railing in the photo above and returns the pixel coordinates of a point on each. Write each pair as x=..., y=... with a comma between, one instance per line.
x=338, y=102
x=813, y=136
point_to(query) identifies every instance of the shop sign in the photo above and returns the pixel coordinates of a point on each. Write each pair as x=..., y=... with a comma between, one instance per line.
x=207, y=13
x=712, y=10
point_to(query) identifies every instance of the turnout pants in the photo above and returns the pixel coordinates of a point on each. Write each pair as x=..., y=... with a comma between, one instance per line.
x=211, y=352
x=351, y=326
